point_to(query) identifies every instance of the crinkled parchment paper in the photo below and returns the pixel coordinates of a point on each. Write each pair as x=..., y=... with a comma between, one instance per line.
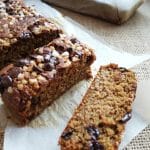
x=43, y=132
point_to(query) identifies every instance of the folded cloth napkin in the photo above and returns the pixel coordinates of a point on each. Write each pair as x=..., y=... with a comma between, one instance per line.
x=115, y=11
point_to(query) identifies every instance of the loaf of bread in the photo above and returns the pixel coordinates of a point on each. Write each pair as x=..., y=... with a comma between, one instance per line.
x=33, y=83
x=22, y=30
x=99, y=121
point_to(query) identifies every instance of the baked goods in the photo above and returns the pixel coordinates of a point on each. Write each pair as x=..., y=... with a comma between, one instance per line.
x=22, y=30
x=100, y=119
x=33, y=83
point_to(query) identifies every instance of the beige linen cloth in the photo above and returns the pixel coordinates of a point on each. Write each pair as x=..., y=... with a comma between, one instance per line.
x=133, y=37
x=115, y=11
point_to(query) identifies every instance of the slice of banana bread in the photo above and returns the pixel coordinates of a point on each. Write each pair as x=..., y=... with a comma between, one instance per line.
x=100, y=119
x=21, y=30
x=32, y=84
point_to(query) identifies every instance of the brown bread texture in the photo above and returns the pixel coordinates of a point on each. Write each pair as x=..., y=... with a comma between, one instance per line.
x=22, y=30
x=33, y=83
x=99, y=121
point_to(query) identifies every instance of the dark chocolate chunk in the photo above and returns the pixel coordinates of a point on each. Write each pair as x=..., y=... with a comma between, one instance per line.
x=94, y=145
x=122, y=69
x=25, y=35
x=79, y=54
x=59, y=48
x=101, y=125
x=46, y=50
x=70, y=50
x=67, y=135
x=1, y=85
x=47, y=58
x=37, y=69
x=10, y=11
x=48, y=66
x=6, y=81
x=93, y=131
x=22, y=105
x=89, y=59
x=126, y=118
x=23, y=62
x=54, y=60
x=74, y=40
x=6, y=1
x=13, y=73
x=35, y=100
x=33, y=56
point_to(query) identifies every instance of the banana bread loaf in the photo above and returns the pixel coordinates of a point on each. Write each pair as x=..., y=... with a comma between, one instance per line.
x=22, y=30
x=33, y=83
x=100, y=119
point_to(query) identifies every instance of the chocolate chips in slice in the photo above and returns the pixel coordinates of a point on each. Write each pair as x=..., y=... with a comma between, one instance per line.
x=23, y=62
x=47, y=58
x=13, y=73
x=67, y=134
x=48, y=66
x=1, y=85
x=93, y=131
x=5, y=82
x=37, y=69
x=79, y=54
x=126, y=118
x=74, y=40
x=122, y=69
x=95, y=145
x=25, y=35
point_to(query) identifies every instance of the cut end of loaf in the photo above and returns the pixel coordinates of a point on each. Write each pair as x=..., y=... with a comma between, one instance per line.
x=99, y=121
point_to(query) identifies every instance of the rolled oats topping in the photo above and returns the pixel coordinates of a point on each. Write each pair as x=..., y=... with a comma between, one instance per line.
x=46, y=61
x=20, y=22
x=34, y=81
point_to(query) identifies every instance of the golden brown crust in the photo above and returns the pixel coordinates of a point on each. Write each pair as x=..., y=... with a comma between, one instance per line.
x=99, y=121
x=31, y=84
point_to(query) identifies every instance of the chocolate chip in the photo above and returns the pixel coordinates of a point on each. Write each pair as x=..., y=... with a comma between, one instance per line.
x=33, y=56
x=94, y=145
x=37, y=69
x=54, y=60
x=70, y=50
x=6, y=1
x=48, y=66
x=13, y=73
x=6, y=81
x=35, y=100
x=22, y=105
x=46, y=50
x=67, y=135
x=47, y=58
x=79, y=54
x=23, y=62
x=89, y=59
x=122, y=69
x=93, y=131
x=59, y=48
x=1, y=85
x=101, y=125
x=25, y=35
x=10, y=11
x=126, y=118
x=74, y=40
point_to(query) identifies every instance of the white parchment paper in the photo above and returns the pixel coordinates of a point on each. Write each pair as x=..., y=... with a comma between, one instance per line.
x=43, y=132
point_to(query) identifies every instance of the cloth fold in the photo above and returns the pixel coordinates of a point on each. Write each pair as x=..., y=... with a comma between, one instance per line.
x=114, y=11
